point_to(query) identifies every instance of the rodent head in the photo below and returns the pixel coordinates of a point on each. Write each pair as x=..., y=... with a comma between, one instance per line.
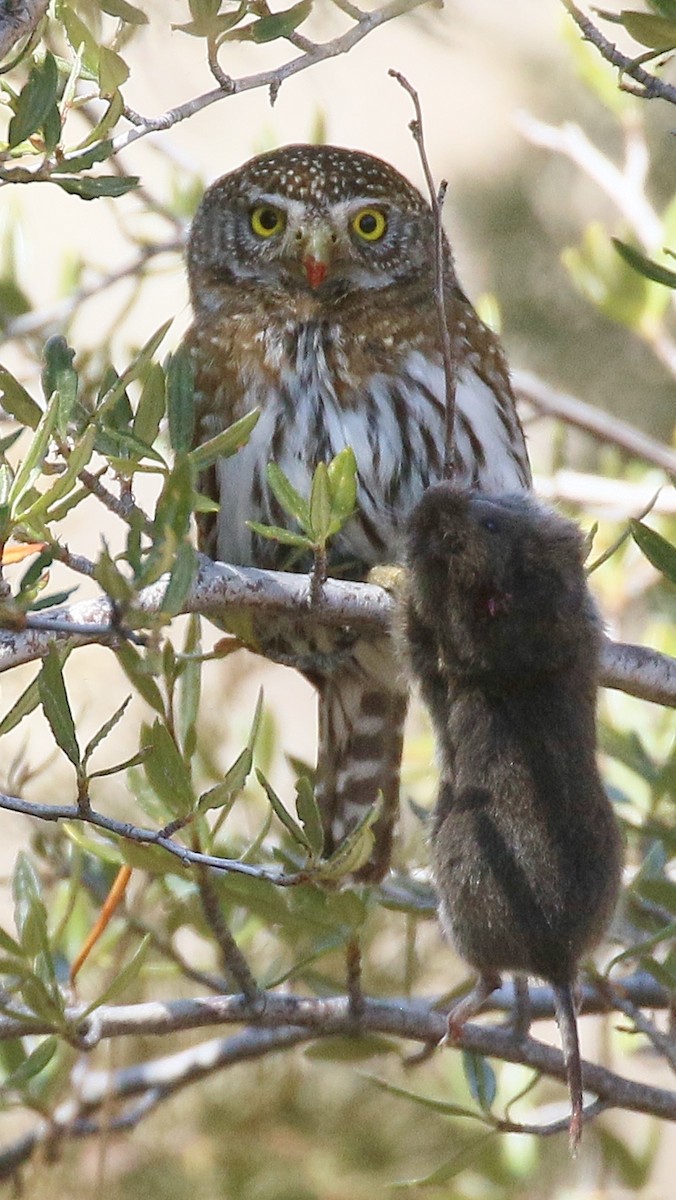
x=500, y=578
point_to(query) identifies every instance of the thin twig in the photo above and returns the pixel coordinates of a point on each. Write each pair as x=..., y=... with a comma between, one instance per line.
x=365, y=25
x=436, y=203
x=651, y=86
x=607, y=427
x=233, y=962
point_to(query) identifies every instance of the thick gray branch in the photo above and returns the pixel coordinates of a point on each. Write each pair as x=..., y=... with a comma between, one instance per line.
x=637, y=670
x=18, y=18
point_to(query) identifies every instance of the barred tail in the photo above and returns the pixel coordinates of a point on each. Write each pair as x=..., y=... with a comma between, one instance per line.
x=362, y=709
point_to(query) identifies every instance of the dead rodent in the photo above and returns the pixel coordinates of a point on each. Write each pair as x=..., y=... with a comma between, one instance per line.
x=503, y=637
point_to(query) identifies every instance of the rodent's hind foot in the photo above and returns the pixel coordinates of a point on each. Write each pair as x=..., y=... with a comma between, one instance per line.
x=469, y=1006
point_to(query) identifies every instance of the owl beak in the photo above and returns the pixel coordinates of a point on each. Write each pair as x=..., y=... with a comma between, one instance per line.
x=316, y=255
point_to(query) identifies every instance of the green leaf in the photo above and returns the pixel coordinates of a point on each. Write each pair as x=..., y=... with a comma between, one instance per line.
x=93, y=187
x=280, y=25
x=56, y=707
x=657, y=32
x=190, y=687
x=78, y=458
x=275, y=533
x=308, y=815
x=30, y=914
x=104, y=731
x=124, y=11
x=37, y=1061
x=286, y=495
x=281, y=813
x=480, y=1078
x=8, y=944
x=354, y=851
x=180, y=377
x=124, y=978
x=86, y=159
x=181, y=578
x=645, y=266
x=32, y=464
x=59, y=375
x=136, y=670
x=113, y=71
x=657, y=549
x=343, y=483
x=36, y=99
x=18, y=402
x=225, y=793
x=167, y=773
x=320, y=504
x=226, y=443
x=135, y=370
x=429, y=1102
x=27, y=703
x=151, y=406
x=80, y=36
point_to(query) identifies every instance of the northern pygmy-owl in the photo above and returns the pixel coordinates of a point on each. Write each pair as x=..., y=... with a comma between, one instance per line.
x=311, y=273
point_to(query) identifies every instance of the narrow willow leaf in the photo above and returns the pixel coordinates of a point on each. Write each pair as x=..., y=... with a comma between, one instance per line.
x=104, y=731
x=190, y=687
x=124, y=978
x=281, y=813
x=657, y=549
x=113, y=71
x=85, y=159
x=78, y=459
x=135, y=668
x=18, y=402
x=320, y=504
x=181, y=578
x=36, y=99
x=8, y=944
x=658, y=33
x=285, y=493
x=93, y=187
x=280, y=25
x=645, y=266
x=308, y=815
x=180, y=383
x=32, y=464
x=124, y=11
x=439, y=1106
x=275, y=533
x=81, y=39
x=30, y=914
x=56, y=707
x=480, y=1078
x=224, y=444
x=37, y=1061
x=167, y=773
x=151, y=406
x=224, y=794
x=343, y=483
x=27, y=703
x=354, y=851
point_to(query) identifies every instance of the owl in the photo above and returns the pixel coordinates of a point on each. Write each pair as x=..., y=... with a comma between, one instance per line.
x=311, y=272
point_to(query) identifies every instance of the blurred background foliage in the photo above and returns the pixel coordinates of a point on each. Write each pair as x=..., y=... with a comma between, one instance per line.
x=548, y=161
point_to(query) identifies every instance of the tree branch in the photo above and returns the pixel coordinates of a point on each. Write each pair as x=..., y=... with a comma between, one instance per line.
x=608, y=428
x=651, y=86
x=364, y=24
x=641, y=672
x=324, y=1017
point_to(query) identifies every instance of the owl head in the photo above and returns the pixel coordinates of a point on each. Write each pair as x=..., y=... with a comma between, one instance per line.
x=315, y=219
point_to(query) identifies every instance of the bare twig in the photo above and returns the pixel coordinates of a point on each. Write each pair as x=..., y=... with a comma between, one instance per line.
x=147, y=837
x=650, y=86
x=436, y=202
x=605, y=426
x=233, y=962
x=363, y=26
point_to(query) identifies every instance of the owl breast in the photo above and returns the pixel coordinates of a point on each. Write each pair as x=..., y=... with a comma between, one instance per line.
x=320, y=389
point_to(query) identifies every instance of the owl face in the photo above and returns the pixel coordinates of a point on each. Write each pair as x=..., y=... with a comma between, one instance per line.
x=314, y=219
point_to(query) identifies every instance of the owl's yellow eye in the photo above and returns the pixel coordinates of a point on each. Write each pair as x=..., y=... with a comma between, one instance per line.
x=266, y=220
x=370, y=224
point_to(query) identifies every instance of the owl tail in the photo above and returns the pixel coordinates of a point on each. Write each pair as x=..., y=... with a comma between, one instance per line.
x=362, y=709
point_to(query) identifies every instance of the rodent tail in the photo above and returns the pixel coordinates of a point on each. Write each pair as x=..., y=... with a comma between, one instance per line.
x=567, y=1021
